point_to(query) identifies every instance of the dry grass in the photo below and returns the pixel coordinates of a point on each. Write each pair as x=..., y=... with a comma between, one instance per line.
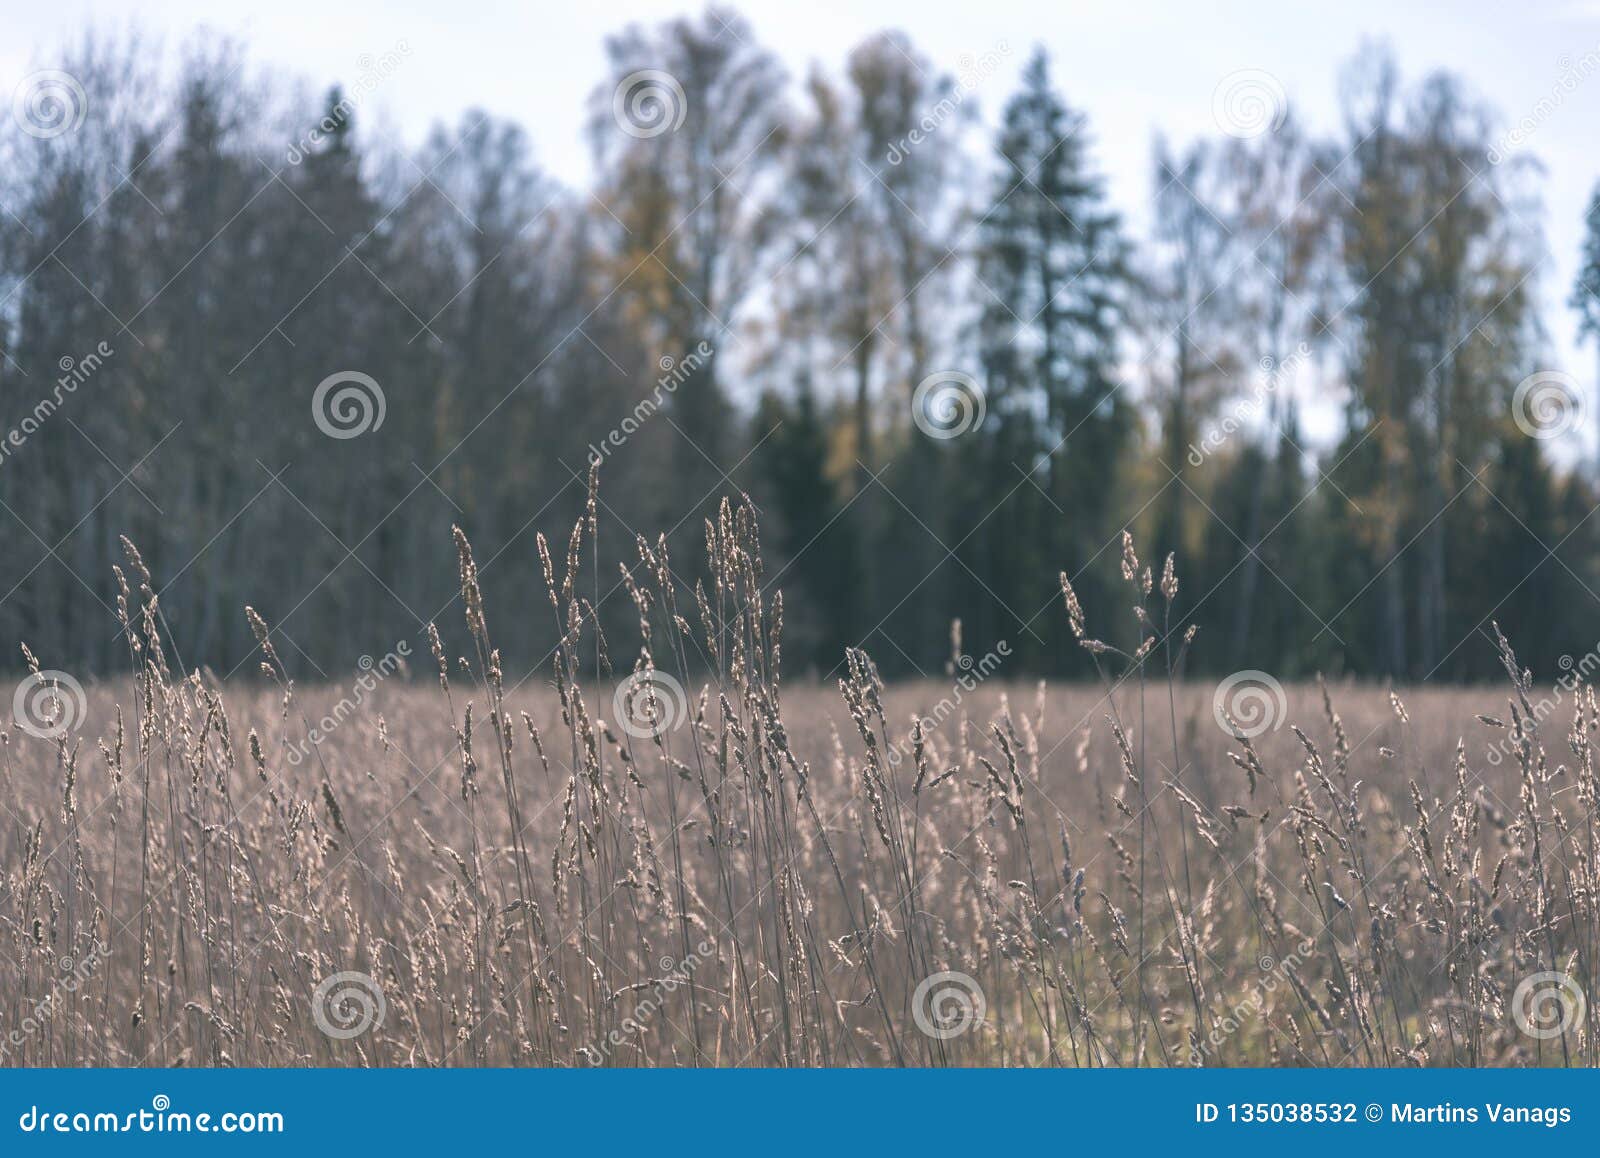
x=767, y=881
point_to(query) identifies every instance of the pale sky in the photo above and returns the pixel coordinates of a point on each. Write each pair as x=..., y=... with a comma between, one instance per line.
x=1135, y=67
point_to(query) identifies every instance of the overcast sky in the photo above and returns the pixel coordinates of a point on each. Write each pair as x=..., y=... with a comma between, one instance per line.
x=1135, y=67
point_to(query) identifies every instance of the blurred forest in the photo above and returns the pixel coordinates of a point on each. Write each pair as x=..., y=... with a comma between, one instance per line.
x=748, y=299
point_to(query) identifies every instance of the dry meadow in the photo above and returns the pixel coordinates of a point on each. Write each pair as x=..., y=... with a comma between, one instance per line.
x=709, y=865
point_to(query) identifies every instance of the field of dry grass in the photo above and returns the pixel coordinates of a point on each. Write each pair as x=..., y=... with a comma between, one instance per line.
x=430, y=867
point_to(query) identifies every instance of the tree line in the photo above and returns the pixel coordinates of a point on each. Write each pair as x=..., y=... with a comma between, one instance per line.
x=283, y=353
